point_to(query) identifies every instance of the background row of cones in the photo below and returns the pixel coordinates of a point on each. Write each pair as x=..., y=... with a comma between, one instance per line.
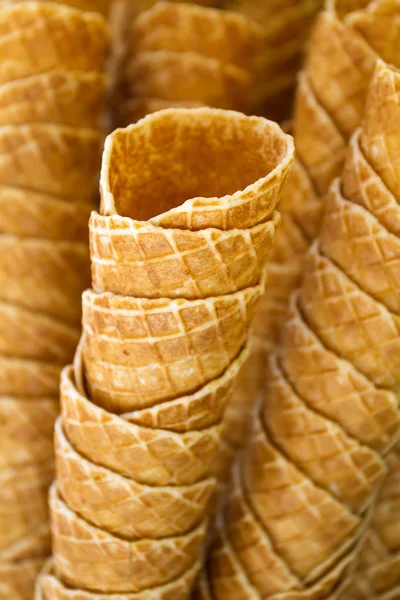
x=52, y=90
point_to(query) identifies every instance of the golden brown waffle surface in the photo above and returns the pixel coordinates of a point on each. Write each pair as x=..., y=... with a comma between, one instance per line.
x=51, y=93
x=321, y=443
x=142, y=409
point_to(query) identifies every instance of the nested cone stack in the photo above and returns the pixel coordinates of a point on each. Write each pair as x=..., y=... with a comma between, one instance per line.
x=183, y=55
x=178, y=252
x=371, y=168
x=51, y=94
x=310, y=478
x=329, y=105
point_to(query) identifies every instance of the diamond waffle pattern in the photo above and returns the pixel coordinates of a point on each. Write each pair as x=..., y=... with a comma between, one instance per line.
x=137, y=259
x=334, y=388
x=138, y=352
x=356, y=242
x=351, y=322
x=319, y=447
x=91, y=558
x=340, y=64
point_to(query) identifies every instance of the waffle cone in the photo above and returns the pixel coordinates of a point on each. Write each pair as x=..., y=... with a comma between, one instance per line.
x=130, y=507
x=138, y=259
x=53, y=159
x=247, y=552
x=319, y=143
x=350, y=322
x=26, y=431
x=90, y=558
x=340, y=64
x=330, y=385
x=203, y=408
x=25, y=213
x=362, y=185
x=320, y=448
x=326, y=537
x=27, y=334
x=28, y=378
x=231, y=37
x=26, y=267
x=139, y=352
x=245, y=196
x=189, y=76
x=150, y=456
x=121, y=506
x=228, y=579
x=17, y=580
x=66, y=98
x=50, y=588
x=355, y=241
x=23, y=510
x=67, y=39
x=244, y=558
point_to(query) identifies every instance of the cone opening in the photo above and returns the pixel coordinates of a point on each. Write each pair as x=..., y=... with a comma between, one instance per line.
x=176, y=155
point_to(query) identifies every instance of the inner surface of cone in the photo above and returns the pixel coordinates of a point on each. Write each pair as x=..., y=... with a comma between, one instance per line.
x=180, y=154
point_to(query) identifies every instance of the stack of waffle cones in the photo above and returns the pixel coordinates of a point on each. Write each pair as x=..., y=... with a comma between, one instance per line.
x=176, y=277
x=378, y=571
x=309, y=476
x=340, y=62
x=329, y=106
x=286, y=25
x=184, y=55
x=51, y=91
